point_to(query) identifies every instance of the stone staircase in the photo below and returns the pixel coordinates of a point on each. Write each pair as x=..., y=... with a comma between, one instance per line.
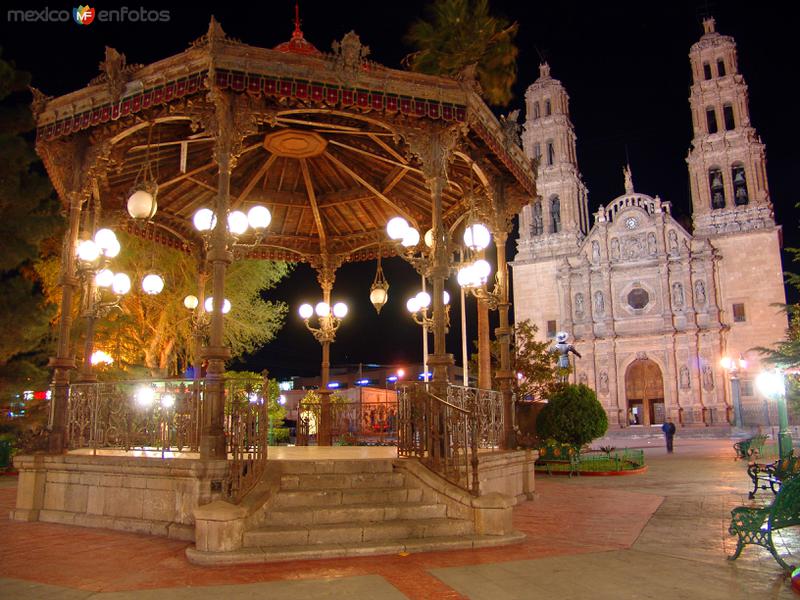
x=327, y=508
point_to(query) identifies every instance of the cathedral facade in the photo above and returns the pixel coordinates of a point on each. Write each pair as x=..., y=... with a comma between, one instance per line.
x=651, y=307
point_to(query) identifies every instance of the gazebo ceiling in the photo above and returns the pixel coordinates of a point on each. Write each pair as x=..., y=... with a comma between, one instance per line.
x=325, y=149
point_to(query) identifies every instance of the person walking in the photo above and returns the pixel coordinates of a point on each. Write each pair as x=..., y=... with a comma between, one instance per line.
x=669, y=433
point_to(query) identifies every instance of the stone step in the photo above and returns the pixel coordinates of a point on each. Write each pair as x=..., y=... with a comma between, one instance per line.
x=284, y=553
x=341, y=480
x=296, y=467
x=298, y=516
x=356, y=533
x=328, y=497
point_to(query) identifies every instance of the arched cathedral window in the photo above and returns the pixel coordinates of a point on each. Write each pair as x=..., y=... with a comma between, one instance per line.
x=548, y=107
x=551, y=153
x=707, y=71
x=537, y=152
x=740, y=196
x=720, y=67
x=536, y=114
x=555, y=214
x=717, y=187
x=537, y=225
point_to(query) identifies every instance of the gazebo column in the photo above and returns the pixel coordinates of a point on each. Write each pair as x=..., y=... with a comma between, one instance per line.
x=441, y=361
x=64, y=360
x=503, y=333
x=212, y=438
x=484, y=346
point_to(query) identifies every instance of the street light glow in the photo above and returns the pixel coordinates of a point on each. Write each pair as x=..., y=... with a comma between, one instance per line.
x=770, y=383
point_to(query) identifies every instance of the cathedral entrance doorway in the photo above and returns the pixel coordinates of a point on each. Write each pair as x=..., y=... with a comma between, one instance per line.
x=644, y=391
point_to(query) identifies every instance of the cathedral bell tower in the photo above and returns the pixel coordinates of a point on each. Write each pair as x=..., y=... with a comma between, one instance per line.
x=555, y=222
x=727, y=161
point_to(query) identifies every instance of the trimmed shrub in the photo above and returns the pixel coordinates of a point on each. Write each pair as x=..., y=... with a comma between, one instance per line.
x=572, y=416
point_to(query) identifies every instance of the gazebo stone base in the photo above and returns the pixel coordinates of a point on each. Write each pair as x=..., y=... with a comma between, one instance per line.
x=141, y=494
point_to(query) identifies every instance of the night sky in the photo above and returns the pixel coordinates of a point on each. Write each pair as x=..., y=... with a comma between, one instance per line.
x=625, y=66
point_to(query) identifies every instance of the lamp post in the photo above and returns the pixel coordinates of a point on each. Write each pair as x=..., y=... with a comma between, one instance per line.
x=733, y=367
x=328, y=321
x=771, y=384
x=104, y=288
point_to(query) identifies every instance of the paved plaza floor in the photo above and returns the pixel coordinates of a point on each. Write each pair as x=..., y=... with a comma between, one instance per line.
x=660, y=534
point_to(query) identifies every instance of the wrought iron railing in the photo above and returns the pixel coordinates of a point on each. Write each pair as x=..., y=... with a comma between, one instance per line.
x=446, y=434
x=356, y=422
x=158, y=415
x=247, y=428
x=162, y=415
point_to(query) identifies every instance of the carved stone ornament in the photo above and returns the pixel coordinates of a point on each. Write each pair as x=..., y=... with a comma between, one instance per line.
x=349, y=54
x=433, y=147
x=603, y=387
x=115, y=73
x=641, y=356
x=511, y=128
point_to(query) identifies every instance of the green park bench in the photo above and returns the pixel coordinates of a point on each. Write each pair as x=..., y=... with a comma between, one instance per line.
x=749, y=447
x=559, y=454
x=772, y=474
x=756, y=525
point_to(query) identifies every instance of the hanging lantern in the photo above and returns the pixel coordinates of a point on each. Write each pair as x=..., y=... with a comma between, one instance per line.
x=142, y=196
x=379, y=291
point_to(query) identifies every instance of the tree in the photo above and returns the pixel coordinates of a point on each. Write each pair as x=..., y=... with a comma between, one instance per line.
x=461, y=35
x=532, y=361
x=156, y=331
x=572, y=416
x=29, y=217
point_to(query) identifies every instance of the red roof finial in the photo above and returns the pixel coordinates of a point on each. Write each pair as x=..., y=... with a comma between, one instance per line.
x=298, y=43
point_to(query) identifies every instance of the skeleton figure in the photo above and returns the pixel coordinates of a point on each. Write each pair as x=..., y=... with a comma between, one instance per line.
x=562, y=348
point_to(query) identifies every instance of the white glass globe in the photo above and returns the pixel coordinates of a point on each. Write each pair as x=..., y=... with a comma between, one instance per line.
x=209, y=305
x=322, y=309
x=340, y=310
x=145, y=396
x=412, y=305
x=105, y=239
x=167, y=400
x=378, y=296
x=396, y=228
x=410, y=238
x=482, y=269
x=259, y=217
x=446, y=297
x=306, y=310
x=152, y=284
x=465, y=276
x=121, y=284
x=770, y=383
x=477, y=236
x=424, y=299
x=142, y=205
x=88, y=251
x=113, y=249
x=429, y=238
x=104, y=278
x=237, y=222
x=204, y=219
x=191, y=302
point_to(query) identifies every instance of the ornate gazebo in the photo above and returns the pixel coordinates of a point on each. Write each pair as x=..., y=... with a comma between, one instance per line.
x=333, y=144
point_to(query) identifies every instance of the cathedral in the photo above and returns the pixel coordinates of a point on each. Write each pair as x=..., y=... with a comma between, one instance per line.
x=651, y=307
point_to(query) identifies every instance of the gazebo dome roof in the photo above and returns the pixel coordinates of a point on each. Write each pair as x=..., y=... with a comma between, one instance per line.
x=298, y=44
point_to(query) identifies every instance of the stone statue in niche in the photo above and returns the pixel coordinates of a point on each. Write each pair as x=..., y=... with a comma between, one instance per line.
x=583, y=379
x=614, y=249
x=651, y=243
x=599, y=304
x=708, y=378
x=603, y=382
x=579, y=306
x=684, y=377
x=677, y=295
x=673, y=243
x=595, y=252
x=699, y=292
